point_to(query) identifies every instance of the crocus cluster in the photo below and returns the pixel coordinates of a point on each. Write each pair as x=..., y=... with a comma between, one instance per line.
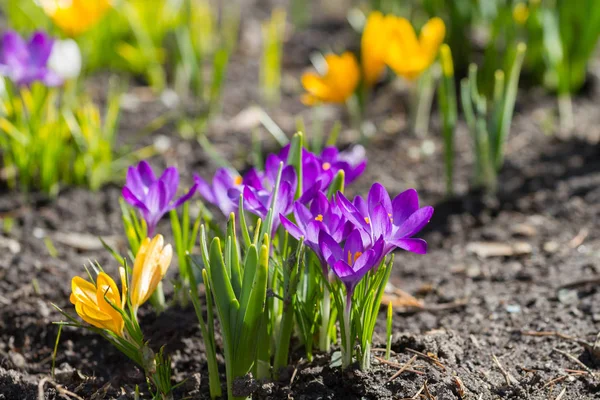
x=257, y=186
x=101, y=305
x=353, y=237
x=386, y=41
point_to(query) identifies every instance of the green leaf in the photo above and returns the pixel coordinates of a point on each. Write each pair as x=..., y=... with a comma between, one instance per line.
x=234, y=256
x=254, y=312
x=337, y=184
x=227, y=304
x=295, y=159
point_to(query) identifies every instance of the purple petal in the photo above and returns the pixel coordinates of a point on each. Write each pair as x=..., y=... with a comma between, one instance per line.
x=378, y=195
x=361, y=206
x=329, y=154
x=414, y=223
x=14, y=49
x=290, y=227
x=146, y=174
x=156, y=199
x=320, y=204
x=354, y=244
x=132, y=199
x=252, y=202
x=418, y=246
x=381, y=223
x=171, y=179
x=353, y=173
x=253, y=179
x=404, y=205
x=285, y=199
x=185, y=197
x=330, y=249
x=204, y=189
x=351, y=212
x=272, y=167
x=40, y=47
x=345, y=273
x=312, y=231
x=302, y=215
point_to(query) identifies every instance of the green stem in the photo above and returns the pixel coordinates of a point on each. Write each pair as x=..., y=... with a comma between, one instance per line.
x=424, y=98
x=565, y=112
x=347, y=344
x=324, y=342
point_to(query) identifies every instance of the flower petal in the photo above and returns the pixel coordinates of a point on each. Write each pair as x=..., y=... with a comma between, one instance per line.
x=413, y=245
x=404, y=205
x=414, y=223
x=378, y=195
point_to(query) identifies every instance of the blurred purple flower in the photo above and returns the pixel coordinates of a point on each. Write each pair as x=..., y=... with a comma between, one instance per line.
x=225, y=190
x=396, y=221
x=353, y=162
x=352, y=262
x=26, y=62
x=153, y=197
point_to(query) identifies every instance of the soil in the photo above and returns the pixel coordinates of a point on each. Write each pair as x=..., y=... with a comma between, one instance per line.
x=498, y=267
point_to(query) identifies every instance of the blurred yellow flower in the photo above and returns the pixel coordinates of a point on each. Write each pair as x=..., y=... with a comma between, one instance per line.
x=338, y=83
x=408, y=55
x=91, y=305
x=75, y=16
x=151, y=264
x=520, y=13
x=374, y=45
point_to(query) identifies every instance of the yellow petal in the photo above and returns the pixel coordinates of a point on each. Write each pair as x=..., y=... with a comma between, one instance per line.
x=123, y=275
x=431, y=37
x=75, y=16
x=373, y=46
x=149, y=269
x=337, y=85
x=316, y=86
x=107, y=290
x=82, y=291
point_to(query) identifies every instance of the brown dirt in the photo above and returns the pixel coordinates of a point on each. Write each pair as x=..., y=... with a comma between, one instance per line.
x=476, y=307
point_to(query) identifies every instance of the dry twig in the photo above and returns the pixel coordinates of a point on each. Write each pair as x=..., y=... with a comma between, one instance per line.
x=61, y=390
x=429, y=396
x=401, y=370
x=428, y=358
x=510, y=380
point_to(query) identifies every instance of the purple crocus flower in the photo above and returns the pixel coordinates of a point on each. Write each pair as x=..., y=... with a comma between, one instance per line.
x=153, y=197
x=227, y=185
x=353, y=162
x=352, y=262
x=396, y=221
x=323, y=215
x=26, y=62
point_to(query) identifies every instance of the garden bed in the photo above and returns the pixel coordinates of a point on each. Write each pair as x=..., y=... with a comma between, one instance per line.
x=497, y=268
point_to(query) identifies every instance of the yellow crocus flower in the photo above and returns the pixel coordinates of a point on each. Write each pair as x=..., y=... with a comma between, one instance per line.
x=151, y=264
x=338, y=83
x=409, y=55
x=374, y=45
x=91, y=305
x=75, y=16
